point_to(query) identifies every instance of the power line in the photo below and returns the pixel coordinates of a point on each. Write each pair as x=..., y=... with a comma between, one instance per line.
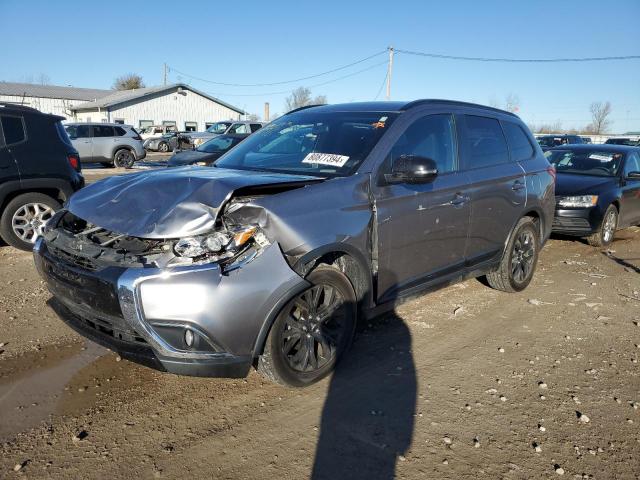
x=517, y=60
x=282, y=82
x=382, y=86
x=289, y=91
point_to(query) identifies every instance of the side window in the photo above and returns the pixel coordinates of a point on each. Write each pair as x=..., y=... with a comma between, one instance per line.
x=487, y=145
x=518, y=141
x=83, y=131
x=255, y=127
x=13, y=128
x=632, y=164
x=120, y=131
x=239, y=128
x=431, y=137
x=103, y=131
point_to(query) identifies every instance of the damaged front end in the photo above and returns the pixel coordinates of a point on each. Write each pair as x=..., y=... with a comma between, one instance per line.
x=194, y=305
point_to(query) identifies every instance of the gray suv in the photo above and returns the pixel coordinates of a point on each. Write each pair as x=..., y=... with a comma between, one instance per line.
x=111, y=144
x=327, y=215
x=239, y=127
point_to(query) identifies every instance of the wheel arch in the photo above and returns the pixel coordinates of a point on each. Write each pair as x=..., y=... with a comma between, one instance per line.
x=123, y=147
x=344, y=257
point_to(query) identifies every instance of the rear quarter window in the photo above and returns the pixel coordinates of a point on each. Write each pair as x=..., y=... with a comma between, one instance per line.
x=13, y=129
x=486, y=143
x=120, y=131
x=519, y=144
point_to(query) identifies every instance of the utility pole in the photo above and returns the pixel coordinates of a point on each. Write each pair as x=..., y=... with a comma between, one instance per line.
x=389, y=72
x=266, y=111
x=165, y=74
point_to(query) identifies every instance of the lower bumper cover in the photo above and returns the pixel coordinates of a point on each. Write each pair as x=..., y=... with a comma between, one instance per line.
x=229, y=311
x=577, y=221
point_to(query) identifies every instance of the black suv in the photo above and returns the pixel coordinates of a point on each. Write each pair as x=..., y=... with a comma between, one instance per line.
x=39, y=169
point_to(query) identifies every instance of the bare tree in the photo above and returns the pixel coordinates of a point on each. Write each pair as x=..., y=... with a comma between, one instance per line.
x=301, y=97
x=128, y=82
x=599, y=117
x=43, y=79
x=511, y=103
x=252, y=117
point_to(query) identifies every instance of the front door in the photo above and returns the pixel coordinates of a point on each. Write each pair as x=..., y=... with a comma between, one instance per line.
x=422, y=228
x=80, y=136
x=497, y=187
x=630, y=211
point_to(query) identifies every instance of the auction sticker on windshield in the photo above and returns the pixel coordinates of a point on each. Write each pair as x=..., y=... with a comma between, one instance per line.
x=331, y=159
x=601, y=157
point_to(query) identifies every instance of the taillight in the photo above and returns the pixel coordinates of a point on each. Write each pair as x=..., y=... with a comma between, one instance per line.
x=551, y=170
x=74, y=161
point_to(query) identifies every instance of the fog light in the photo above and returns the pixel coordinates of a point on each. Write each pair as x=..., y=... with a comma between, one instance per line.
x=188, y=338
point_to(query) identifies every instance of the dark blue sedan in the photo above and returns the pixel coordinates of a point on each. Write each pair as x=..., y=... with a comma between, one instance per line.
x=597, y=190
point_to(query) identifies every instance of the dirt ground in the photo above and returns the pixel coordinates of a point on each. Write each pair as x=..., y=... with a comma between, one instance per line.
x=466, y=382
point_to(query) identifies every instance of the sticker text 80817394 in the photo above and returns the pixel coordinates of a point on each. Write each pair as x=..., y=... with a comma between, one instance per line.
x=330, y=159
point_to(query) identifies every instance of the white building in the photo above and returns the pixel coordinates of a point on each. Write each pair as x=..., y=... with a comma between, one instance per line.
x=177, y=104
x=49, y=98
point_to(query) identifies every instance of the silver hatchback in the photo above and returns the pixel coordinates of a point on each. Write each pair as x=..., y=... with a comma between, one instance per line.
x=110, y=144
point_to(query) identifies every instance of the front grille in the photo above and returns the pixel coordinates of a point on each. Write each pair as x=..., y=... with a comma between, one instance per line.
x=70, y=258
x=571, y=222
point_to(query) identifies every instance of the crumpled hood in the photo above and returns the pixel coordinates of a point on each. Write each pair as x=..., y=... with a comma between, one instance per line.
x=167, y=203
x=188, y=157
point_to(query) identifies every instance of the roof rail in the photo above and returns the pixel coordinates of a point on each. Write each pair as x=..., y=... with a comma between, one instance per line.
x=19, y=107
x=417, y=103
x=304, y=108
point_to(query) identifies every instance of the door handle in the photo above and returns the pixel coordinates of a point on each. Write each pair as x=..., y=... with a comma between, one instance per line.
x=517, y=185
x=459, y=200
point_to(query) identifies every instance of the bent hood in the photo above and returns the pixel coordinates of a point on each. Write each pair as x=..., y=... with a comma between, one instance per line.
x=189, y=157
x=167, y=203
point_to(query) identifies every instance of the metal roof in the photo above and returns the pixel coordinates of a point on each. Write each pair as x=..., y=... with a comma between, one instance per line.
x=51, y=91
x=122, y=96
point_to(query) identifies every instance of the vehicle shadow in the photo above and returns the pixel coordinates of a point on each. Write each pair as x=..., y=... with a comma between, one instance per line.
x=625, y=262
x=368, y=415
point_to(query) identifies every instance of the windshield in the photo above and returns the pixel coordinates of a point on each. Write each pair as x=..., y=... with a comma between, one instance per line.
x=219, y=127
x=324, y=144
x=586, y=162
x=552, y=141
x=218, y=144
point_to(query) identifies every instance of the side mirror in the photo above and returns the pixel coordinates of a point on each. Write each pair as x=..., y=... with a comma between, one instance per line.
x=412, y=169
x=633, y=175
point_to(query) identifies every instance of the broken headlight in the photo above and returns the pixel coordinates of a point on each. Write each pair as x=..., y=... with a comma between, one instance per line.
x=220, y=244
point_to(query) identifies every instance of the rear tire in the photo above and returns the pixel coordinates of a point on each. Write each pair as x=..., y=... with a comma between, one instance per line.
x=123, y=158
x=604, y=236
x=23, y=218
x=312, y=331
x=519, y=261
x=163, y=147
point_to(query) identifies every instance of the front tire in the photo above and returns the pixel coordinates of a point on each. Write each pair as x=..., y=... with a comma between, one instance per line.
x=604, y=236
x=123, y=158
x=519, y=260
x=163, y=147
x=312, y=331
x=24, y=217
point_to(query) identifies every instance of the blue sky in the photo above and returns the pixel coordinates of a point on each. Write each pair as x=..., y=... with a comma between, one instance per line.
x=88, y=44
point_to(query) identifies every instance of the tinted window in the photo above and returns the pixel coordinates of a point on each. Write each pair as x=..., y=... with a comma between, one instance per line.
x=430, y=137
x=239, y=128
x=78, y=131
x=103, y=131
x=13, y=130
x=255, y=127
x=632, y=164
x=519, y=144
x=120, y=131
x=486, y=142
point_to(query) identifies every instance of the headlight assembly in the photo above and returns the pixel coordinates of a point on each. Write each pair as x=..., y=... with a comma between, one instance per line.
x=580, y=201
x=219, y=245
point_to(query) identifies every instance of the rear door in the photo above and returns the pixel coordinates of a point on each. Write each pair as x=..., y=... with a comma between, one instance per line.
x=8, y=166
x=422, y=228
x=104, y=142
x=498, y=188
x=82, y=141
x=630, y=211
